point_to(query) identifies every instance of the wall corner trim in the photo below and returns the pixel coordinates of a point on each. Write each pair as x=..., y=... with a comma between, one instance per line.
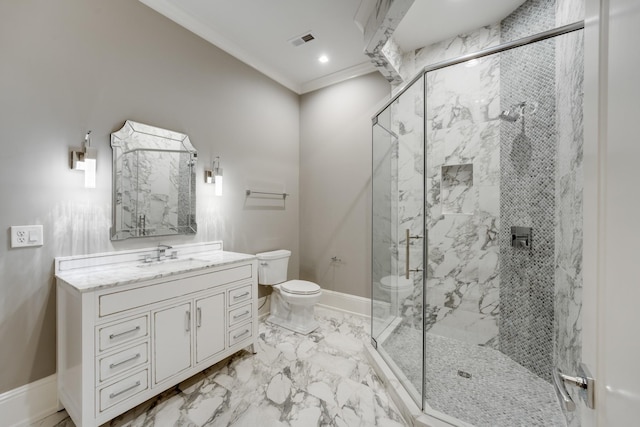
x=29, y=403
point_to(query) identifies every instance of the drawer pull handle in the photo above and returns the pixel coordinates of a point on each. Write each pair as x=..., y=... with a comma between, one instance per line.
x=199, y=317
x=132, y=358
x=112, y=336
x=240, y=315
x=245, y=332
x=118, y=393
x=241, y=295
x=188, y=321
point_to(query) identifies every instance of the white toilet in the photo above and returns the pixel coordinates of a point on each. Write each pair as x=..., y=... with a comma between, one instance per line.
x=292, y=301
x=398, y=288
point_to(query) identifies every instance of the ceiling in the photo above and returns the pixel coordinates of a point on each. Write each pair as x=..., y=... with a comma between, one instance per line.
x=258, y=32
x=431, y=21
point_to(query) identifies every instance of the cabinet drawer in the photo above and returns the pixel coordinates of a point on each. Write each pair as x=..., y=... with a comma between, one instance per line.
x=123, y=332
x=122, y=361
x=118, y=301
x=123, y=390
x=239, y=295
x=240, y=314
x=240, y=334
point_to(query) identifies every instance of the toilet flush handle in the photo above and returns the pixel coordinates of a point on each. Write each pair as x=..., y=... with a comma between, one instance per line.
x=264, y=263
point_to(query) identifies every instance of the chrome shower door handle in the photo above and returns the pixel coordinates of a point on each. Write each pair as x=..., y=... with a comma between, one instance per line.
x=407, y=266
x=407, y=254
x=584, y=381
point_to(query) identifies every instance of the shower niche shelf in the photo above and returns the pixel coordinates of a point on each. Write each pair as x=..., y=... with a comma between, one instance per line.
x=457, y=195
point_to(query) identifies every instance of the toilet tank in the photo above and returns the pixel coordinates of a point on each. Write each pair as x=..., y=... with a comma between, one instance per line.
x=272, y=267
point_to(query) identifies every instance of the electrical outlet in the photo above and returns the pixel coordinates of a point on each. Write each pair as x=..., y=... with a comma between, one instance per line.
x=26, y=235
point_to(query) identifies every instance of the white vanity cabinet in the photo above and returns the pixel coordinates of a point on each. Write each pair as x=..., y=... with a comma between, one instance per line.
x=121, y=344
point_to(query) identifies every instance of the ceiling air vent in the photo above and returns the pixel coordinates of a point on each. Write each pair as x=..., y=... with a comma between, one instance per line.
x=300, y=40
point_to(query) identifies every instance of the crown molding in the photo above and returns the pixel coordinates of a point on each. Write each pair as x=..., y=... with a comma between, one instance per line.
x=337, y=77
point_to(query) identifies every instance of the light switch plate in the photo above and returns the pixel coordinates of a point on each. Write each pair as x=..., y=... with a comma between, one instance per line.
x=26, y=235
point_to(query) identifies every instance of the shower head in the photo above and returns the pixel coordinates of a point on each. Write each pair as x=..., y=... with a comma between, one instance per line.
x=518, y=110
x=510, y=115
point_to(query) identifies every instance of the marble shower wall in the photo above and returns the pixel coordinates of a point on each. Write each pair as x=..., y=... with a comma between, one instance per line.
x=569, y=196
x=462, y=187
x=416, y=60
x=462, y=203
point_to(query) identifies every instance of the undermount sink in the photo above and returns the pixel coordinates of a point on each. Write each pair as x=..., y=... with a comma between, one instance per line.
x=178, y=262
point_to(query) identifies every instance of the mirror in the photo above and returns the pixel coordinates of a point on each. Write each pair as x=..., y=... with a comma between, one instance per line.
x=154, y=186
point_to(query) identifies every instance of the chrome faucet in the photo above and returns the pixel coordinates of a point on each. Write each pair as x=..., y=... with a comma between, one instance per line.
x=161, y=250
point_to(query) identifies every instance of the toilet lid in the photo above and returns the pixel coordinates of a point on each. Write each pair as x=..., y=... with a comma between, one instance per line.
x=300, y=287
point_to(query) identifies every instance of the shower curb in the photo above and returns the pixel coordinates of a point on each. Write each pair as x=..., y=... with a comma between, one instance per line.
x=411, y=413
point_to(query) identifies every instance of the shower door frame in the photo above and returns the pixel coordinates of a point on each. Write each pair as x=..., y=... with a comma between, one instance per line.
x=545, y=35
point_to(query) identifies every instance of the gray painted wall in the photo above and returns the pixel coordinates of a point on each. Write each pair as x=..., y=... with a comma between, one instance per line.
x=335, y=183
x=73, y=65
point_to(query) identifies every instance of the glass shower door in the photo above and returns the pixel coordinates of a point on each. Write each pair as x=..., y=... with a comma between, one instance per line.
x=504, y=215
x=398, y=248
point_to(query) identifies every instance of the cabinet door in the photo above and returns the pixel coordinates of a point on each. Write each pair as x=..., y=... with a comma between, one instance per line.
x=210, y=317
x=172, y=341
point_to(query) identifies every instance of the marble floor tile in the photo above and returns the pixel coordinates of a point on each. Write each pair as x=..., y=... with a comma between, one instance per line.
x=321, y=379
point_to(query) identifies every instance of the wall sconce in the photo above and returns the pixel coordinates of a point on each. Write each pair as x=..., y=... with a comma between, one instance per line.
x=214, y=176
x=85, y=160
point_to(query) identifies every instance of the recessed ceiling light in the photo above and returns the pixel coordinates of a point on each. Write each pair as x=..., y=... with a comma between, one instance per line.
x=324, y=59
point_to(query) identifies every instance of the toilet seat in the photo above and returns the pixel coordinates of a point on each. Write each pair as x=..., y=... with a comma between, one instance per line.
x=300, y=287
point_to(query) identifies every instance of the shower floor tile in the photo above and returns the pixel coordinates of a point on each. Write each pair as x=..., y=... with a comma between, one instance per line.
x=293, y=381
x=475, y=384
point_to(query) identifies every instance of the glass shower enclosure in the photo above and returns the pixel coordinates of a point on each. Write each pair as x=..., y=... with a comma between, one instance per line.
x=476, y=232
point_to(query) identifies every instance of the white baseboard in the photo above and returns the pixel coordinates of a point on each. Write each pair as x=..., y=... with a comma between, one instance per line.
x=339, y=301
x=25, y=405
x=346, y=302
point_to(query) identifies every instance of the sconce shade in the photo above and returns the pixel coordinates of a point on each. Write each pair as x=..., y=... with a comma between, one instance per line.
x=214, y=176
x=218, y=181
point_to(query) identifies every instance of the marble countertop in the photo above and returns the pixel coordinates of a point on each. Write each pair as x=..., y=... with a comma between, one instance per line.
x=90, y=278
